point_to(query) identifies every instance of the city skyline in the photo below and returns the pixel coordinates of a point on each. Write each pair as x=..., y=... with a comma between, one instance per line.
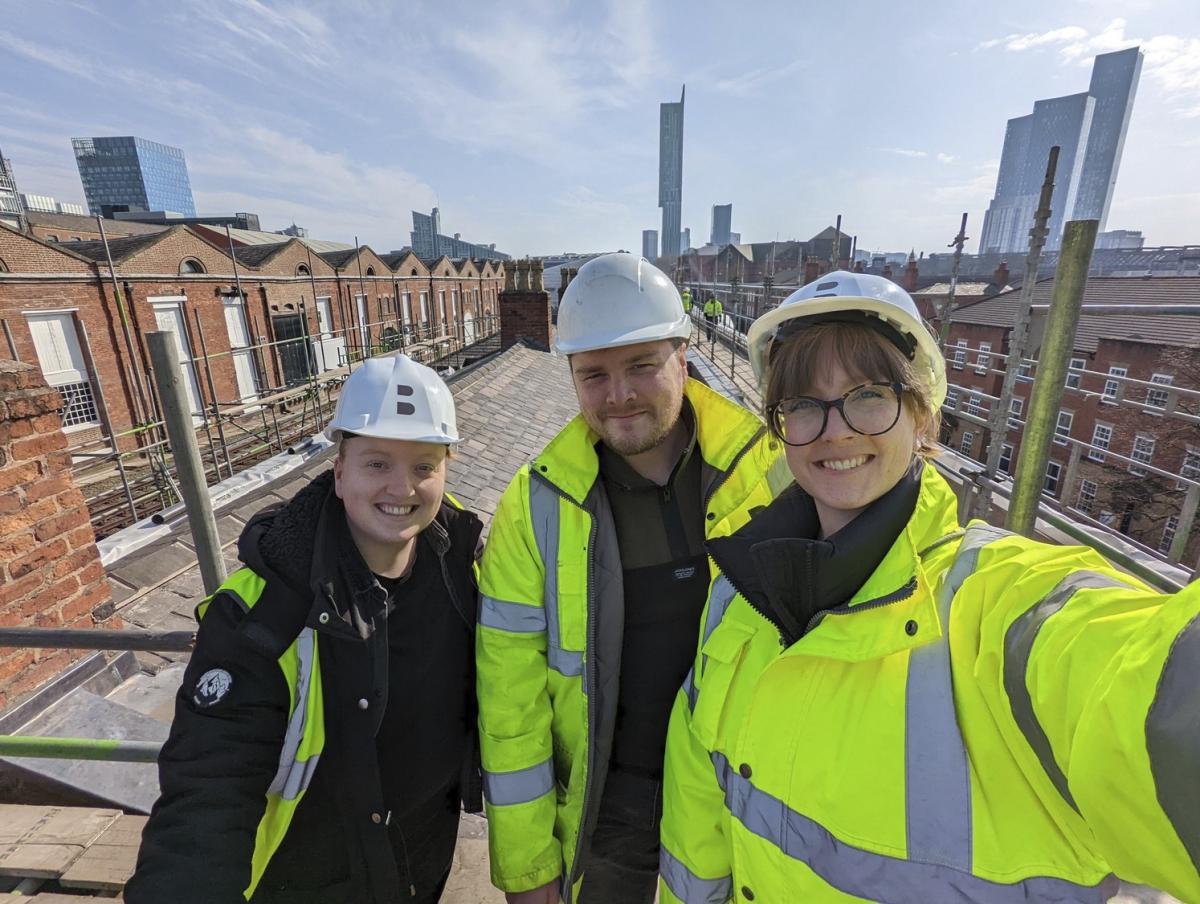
x=539, y=131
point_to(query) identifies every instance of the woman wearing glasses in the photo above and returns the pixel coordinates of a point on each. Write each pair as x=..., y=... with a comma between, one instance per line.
x=887, y=707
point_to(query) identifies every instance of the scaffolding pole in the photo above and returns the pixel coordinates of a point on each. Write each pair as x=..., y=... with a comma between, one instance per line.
x=1079, y=237
x=948, y=306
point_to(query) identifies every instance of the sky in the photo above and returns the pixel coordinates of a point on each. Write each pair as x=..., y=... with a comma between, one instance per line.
x=534, y=123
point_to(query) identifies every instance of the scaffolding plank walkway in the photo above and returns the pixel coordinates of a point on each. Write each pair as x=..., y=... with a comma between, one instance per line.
x=108, y=862
x=42, y=842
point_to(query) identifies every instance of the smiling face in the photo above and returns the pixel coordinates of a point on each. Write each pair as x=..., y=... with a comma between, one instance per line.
x=391, y=489
x=842, y=470
x=631, y=396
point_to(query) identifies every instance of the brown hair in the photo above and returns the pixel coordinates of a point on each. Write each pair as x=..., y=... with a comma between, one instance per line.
x=798, y=360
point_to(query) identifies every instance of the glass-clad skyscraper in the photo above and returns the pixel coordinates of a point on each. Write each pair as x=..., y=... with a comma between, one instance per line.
x=1090, y=132
x=670, y=173
x=129, y=173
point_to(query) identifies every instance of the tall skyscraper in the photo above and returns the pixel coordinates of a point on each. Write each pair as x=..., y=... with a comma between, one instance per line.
x=685, y=239
x=722, y=223
x=1090, y=132
x=121, y=174
x=650, y=244
x=670, y=173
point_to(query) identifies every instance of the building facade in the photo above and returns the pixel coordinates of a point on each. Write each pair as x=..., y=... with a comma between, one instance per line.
x=1126, y=443
x=133, y=174
x=722, y=224
x=11, y=208
x=650, y=244
x=429, y=243
x=1090, y=130
x=670, y=173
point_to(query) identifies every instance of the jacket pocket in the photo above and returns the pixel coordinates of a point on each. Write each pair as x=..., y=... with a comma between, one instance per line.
x=719, y=660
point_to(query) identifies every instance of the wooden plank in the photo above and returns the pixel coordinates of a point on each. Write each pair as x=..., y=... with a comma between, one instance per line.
x=50, y=839
x=108, y=863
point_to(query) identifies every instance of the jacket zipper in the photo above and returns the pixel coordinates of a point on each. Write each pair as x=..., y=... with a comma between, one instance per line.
x=728, y=472
x=896, y=596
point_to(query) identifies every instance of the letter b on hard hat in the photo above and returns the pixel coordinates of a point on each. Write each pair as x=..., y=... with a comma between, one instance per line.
x=395, y=398
x=619, y=299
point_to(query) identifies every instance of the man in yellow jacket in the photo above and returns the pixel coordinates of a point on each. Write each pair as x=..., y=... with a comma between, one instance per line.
x=713, y=309
x=592, y=585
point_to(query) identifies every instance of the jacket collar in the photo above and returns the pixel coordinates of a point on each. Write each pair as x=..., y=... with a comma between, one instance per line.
x=723, y=430
x=789, y=576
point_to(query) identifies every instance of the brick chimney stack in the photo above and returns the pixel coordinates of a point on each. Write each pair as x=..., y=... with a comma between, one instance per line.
x=859, y=267
x=911, y=273
x=812, y=269
x=887, y=271
x=1000, y=277
x=524, y=305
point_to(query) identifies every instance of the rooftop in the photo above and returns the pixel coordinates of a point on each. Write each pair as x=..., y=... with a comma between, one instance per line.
x=1165, y=328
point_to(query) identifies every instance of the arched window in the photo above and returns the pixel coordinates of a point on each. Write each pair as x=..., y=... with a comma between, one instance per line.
x=51, y=238
x=370, y=271
x=190, y=265
x=303, y=270
x=414, y=271
x=3, y=266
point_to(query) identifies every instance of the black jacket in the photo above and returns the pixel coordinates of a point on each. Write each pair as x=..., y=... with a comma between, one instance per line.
x=220, y=758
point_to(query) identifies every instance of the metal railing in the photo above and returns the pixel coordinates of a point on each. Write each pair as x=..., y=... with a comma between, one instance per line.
x=729, y=351
x=290, y=388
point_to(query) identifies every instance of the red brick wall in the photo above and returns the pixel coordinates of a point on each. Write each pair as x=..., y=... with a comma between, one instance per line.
x=524, y=315
x=23, y=255
x=51, y=571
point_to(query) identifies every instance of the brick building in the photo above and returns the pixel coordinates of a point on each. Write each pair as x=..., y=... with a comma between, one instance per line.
x=299, y=311
x=1127, y=413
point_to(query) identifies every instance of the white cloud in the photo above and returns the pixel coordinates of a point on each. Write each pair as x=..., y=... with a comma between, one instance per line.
x=945, y=158
x=750, y=82
x=906, y=152
x=1172, y=61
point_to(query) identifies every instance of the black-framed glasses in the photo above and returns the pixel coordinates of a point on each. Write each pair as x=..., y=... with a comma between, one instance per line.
x=869, y=409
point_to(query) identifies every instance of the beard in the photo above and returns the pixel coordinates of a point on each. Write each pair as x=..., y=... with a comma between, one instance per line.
x=646, y=437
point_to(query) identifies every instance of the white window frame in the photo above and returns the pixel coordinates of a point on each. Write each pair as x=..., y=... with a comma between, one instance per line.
x=1142, y=452
x=951, y=398
x=1168, y=534
x=1016, y=407
x=966, y=445
x=1024, y=372
x=974, y=405
x=1190, y=466
x=1073, y=372
x=1062, y=431
x=1085, y=500
x=1098, y=451
x=1112, y=388
x=1052, y=467
x=960, y=354
x=1006, y=454
x=983, y=361
x=1153, y=395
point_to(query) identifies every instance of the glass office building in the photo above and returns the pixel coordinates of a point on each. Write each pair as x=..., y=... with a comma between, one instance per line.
x=130, y=174
x=670, y=173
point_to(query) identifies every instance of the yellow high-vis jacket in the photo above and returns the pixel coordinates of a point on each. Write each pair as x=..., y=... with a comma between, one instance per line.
x=988, y=719
x=713, y=308
x=549, y=635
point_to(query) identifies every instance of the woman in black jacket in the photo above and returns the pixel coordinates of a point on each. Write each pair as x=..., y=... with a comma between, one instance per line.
x=324, y=730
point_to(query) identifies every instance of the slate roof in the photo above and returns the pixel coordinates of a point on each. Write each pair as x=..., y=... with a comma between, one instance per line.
x=257, y=255
x=337, y=259
x=1165, y=329
x=121, y=248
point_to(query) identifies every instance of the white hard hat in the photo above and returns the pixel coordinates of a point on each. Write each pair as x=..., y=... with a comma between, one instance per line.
x=619, y=299
x=855, y=297
x=395, y=398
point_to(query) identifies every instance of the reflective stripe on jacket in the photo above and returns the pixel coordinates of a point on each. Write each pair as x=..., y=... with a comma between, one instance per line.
x=989, y=719
x=305, y=736
x=549, y=638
